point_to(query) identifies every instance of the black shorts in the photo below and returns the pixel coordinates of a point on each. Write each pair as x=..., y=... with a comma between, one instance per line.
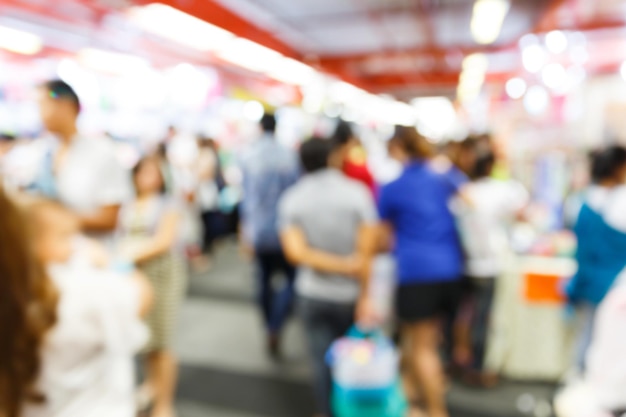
x=417, y=302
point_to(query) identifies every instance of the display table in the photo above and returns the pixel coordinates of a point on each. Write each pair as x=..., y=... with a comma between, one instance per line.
x=532, y=338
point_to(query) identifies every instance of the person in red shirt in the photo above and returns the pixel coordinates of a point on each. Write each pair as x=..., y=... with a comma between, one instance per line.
x=354, y=159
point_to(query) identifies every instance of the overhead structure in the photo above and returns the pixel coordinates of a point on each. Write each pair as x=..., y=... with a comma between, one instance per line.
x=405, y=48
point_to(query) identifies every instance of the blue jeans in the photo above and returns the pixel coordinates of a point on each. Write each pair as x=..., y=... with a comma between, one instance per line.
x=587, y=314
x=275, y=304
x=324, y=322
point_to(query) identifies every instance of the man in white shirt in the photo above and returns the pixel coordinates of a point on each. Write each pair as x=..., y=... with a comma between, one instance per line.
x=83, y=174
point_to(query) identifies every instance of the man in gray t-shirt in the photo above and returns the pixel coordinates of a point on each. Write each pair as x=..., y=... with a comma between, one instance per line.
x=328, y=229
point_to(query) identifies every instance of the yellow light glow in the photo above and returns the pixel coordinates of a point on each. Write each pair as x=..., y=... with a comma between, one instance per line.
x=180, y=27
x=487, y=20
x=20, y=42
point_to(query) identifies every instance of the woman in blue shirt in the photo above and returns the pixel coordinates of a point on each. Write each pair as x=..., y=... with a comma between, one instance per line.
x=428, y=253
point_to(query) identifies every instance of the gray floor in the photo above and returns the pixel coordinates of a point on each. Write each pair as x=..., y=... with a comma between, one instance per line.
x=225, y=372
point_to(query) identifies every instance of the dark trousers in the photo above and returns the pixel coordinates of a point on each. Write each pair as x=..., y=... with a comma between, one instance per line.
x=481, y=302
x=215, y=226
x=324, y=322
x=275, y=303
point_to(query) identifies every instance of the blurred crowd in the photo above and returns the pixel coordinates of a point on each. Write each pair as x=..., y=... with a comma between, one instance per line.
x=94, y=261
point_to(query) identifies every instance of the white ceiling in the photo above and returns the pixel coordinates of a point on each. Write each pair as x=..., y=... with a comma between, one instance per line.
x=345, y=27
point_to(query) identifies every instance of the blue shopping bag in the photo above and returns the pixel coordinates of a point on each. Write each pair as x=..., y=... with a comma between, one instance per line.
x=365, y=373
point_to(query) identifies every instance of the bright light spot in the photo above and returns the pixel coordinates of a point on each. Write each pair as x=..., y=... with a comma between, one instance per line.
x=487, y=19
x=536, y=100
x=556, y=42
x=332, y=111
x=290, y=71
x=342, y=92
x=253, y=111
x=112, y=62
x=473, y=77
x=250, y=55
x=85, y=83
x=170, y=23
x=19, y=41
x=534, y=57
x=516, y=88
x=188, y=86
x=623, y=70
x=436, y=117
x=553, y=75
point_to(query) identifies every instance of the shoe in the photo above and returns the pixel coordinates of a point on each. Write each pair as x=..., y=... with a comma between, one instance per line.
x=273, y=346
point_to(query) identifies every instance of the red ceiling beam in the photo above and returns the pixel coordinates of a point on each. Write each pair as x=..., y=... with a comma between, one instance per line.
x=214, y=13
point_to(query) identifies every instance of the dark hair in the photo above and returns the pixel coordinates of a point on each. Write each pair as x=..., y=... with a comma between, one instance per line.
x=605, y=163
x=60, y=90
x=142, y=162
x=6, y=137
x=268, y=123
x=314, y=154
x=484, y=165
x=343, y=134
x=411, y=142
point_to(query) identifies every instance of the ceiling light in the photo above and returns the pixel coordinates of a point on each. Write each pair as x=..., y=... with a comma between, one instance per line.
x=534, y=58
x=253, y=111
x=473, y=77
x=516, y=88
x=20, y=42
x=556, y=42
x=171, y=23
x=249, y=55
x=536, y=100
x=290, y=71
x=487, y=20
x=553, y=76
x=112, y=62
x=436, y=116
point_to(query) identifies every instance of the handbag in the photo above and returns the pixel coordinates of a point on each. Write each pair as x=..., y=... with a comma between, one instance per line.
x=366, y=381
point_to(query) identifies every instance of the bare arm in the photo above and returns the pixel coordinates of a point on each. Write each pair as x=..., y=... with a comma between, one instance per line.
x=103, y=220
x=385, y=237
x=299, y=252
x=162, y=242
x=367, y=241
x=146, y=293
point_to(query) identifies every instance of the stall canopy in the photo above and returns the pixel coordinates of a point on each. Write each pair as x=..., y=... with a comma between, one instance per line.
x=406, y=48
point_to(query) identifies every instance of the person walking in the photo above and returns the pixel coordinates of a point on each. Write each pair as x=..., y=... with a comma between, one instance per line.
x=83, y=174
x=328, y=229
x=149, y=238
x=601, y=233
x=416, y=218
x=268, y=170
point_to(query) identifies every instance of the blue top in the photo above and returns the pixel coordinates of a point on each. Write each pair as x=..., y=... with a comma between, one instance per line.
x=601, y=257
x=428, y=248
x=268, y=170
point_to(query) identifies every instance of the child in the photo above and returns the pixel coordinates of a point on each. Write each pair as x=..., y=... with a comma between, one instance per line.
x=83, y=365
x=99, y=311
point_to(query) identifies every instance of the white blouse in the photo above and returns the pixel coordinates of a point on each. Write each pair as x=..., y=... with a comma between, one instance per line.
x=87, y=368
